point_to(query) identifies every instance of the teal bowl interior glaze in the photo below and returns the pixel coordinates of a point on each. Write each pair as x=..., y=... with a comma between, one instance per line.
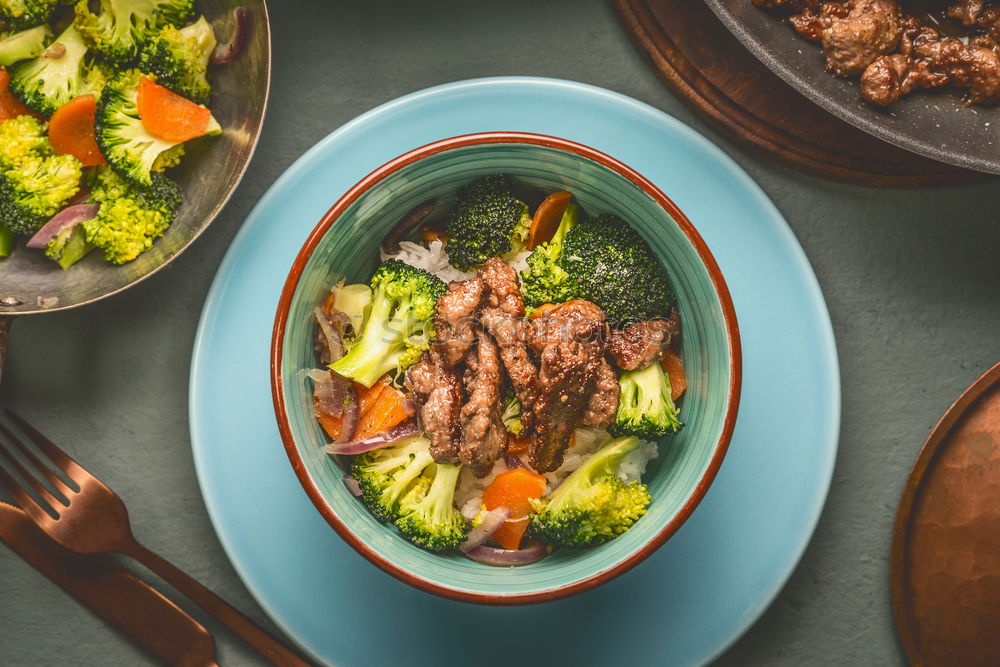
x=345, y=245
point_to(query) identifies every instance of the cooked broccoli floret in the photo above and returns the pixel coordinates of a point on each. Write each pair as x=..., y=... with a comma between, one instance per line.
x=18, y=46
x=130, y=217
x=385, y=474
x=488, y=221
x=592, y=505
x=511, y=416
x=22, y=137
x=68, y=246
x=645, y=408
x=615, y=268
x=179, y=59
x=428, y=517
x=34, y=190
x=545, y=281
x=56, y=76
x=129, y=147
x=20, y=14
x=399, y=326
x=119, y=27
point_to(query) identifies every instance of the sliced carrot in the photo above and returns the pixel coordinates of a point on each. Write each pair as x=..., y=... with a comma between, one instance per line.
x=368, y=396
x=517, y=446
x=330, y=424
x=671, y=363
x=430, y=234
x=541, y=310
x=388, y=410
x=546, y=220
x=513, y=490
x=328, y=302
x=72, y=131
x=10, y=106
x=168, y=115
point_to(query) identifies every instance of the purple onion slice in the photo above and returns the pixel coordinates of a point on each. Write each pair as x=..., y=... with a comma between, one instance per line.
x=492, y=520
x=398, y=432
x=508, y=557
x=68, y=217
x=227, y=52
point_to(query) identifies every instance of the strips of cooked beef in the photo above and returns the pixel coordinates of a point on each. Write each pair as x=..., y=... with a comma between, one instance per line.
x=455, y=319
x=602, y=405
x=484, y=438
x=570, y=341
x=639, y=344
x=504, y=289
x=440, y=392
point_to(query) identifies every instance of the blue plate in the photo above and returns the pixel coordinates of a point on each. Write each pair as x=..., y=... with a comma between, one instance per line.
x=685, y=604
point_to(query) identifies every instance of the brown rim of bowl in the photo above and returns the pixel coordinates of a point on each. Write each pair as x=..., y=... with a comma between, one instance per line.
x=277, y=349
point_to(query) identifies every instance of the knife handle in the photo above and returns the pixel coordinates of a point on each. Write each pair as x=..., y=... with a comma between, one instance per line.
x=131, y=605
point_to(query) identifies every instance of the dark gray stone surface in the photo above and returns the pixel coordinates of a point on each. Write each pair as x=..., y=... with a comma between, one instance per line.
x=910, y=277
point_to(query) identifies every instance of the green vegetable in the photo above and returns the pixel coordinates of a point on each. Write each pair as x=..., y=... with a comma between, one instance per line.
x=488, y=221
x=131, y=217
x=69, y=246
x=511, y=416
x=57, y=75
x=645, y=408
x=34, y=190
x=400, y=324
x=18, y=46
x=179, y=59
x=545, y=281
x=355, y=301
x=615, y=268
x=119, y=27
x=22, y=137
x=386, y=474
x=127, y=145
x=592, y=505
x=20, y=14
x=6, y=241
x=428, y=517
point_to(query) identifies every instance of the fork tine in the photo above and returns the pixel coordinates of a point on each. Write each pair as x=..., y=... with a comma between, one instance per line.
x=54, y=480
x=62, y=460
x=21, y=497
x=23, y=471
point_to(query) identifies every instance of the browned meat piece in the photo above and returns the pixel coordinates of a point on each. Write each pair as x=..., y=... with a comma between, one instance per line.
x=989, y=21
x=570, y=340
x=603, y=402
x=853, y=34
x=505, y=292
x=484, y=437
x=966, y=11
x=640, y=344
x=510, y=334
x=455, y=319
x=890, y=77
x=440, y=392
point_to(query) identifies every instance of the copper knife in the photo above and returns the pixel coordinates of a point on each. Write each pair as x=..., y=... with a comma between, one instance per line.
x=131, y=605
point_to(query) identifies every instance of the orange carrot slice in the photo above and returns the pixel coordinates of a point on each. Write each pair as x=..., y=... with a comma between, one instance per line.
x=385, y=412
x=513, y=490
x=671, y=363
x=71, y=130
x=541, y=310
x=517, y=446
x=168, y=115
x=430, y=234
x=10, y=106
x=332, y=425
x=546, y=220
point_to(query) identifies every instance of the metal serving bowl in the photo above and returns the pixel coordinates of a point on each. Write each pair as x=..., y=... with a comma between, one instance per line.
x=212, y=168
x=934, y=124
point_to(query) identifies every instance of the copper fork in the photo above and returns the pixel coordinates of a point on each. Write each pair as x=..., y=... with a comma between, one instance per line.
x=92, y=519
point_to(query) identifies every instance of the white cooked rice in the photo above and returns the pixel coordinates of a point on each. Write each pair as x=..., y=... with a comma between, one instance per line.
x=469, y=494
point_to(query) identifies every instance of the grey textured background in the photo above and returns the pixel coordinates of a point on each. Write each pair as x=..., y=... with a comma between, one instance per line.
x=911, y=279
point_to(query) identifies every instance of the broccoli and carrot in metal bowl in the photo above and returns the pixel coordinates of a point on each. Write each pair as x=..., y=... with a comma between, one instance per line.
x=501, y=382
x=97, y=101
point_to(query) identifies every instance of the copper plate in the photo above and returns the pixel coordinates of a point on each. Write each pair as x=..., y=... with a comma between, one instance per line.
x=945, y=562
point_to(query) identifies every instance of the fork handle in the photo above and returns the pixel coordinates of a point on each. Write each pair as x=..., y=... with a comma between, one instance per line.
x=225, y=613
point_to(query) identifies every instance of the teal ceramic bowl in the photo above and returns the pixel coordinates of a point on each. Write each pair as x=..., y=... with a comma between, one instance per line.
x=345, y=245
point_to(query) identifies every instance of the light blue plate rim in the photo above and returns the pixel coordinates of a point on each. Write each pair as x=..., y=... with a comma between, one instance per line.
x=228, y=517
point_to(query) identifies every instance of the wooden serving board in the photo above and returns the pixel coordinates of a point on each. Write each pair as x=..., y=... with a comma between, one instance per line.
x=715, y=75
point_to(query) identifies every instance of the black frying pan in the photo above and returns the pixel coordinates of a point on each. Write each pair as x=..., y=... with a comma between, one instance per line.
x=936, y=124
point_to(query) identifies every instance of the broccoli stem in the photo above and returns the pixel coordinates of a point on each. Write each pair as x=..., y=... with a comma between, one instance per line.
x=602, y=463
x=377, y=351
x=6, y=241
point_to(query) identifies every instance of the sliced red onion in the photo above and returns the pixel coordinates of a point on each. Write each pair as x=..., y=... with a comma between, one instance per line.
x=491, y=522
x=512, y=461
x=329, y=343
x=227, y=52
x=397, y=432
x=329, y=390
x=409, y=406
x=351, y=416
x=508, y=557
x=352, y=485
x=68, y=217
x=81, y=196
